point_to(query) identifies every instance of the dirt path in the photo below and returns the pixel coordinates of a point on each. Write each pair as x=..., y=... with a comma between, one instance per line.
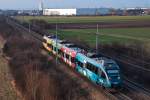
x=7, y=91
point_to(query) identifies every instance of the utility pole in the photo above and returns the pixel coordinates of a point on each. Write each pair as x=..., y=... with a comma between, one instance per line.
x=97, y=33
x=56, y=45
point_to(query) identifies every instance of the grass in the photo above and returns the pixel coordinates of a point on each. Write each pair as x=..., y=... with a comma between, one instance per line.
x=110, y=35
x=84, y=19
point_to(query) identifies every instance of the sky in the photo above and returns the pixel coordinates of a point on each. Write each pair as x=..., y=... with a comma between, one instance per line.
x=34, y=4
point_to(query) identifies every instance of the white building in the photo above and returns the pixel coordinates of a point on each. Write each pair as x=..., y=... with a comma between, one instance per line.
x=59, y=11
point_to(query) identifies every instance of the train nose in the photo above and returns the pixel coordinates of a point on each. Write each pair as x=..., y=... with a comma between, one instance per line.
x=116, y=84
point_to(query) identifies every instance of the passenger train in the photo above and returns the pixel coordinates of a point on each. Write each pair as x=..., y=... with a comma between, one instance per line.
x=97, y=68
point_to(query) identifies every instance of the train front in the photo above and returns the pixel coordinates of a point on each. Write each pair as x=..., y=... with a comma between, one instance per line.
x=113, y=73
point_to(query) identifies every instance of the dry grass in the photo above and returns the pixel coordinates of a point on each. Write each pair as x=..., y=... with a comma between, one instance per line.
x=38, y=78
x=7, y=92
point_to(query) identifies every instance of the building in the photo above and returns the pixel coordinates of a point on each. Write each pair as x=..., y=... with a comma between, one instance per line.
x=59, y=12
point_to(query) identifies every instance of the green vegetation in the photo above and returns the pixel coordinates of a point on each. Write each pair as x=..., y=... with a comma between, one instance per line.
x=109, y=35
x=84, y=19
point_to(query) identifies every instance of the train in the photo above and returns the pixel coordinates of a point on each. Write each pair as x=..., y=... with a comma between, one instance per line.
x=99, y=69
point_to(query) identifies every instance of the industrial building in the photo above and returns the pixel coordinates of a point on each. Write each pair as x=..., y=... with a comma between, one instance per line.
x=59, y=12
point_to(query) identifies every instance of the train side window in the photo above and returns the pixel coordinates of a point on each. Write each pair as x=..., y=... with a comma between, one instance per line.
x=52, y=47
x=96, y=70
x=55, y=48
x=88, y=66
x=59, y=52
x=93, y=68
x=103, y=75
x=76, y=60
x=99, y=72
x=80, y=64
x=67, y=56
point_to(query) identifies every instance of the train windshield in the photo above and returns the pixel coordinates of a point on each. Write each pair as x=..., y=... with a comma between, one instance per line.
x=111, y=66
x=112, y=71
x=113, y=75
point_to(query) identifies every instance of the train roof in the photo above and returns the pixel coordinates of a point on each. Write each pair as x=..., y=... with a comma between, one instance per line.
x=105, y=61
x=58, y=40
x=73, y=47
x=51, y=36
x=77, y=49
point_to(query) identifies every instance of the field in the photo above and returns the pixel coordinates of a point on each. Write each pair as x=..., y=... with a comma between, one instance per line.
x=120, y=29
x=109, y=35
x=85, y=19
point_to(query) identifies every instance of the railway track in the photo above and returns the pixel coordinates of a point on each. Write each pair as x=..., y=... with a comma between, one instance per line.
x=112, y=96
x=122, y=96
x=137, y=87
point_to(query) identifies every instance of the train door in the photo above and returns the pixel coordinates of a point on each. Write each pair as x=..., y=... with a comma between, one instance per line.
x=92, y=72
x=79, y=66
x=84, y=68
